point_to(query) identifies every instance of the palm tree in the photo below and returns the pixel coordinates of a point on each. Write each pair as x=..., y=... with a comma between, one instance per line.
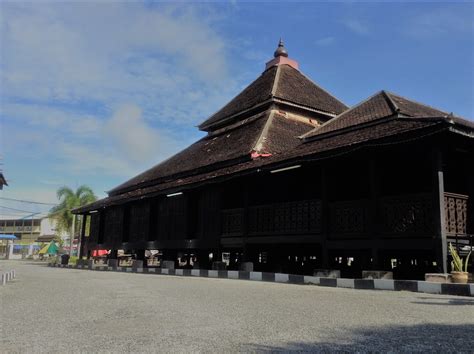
x=70, y=200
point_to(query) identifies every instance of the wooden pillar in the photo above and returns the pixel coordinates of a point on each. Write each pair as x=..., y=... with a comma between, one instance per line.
x=82, y=243
x=374, y=191
x=324, y=217
x=440, y=242
x=245, y=228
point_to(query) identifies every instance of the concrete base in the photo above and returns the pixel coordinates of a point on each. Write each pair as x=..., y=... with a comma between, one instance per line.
x=137, y=264
x=438, y=277
x=246, y=266
x=327, y=273
x=167, y=264
x=113, y=263
x=218, y=266
x=377, y=274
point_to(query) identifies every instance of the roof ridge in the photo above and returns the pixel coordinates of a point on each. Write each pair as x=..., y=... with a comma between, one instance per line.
x=417, y=102
x=257, y=146
x=235, y=125
x=276, y=81
x=340, y=115
x=391, y=102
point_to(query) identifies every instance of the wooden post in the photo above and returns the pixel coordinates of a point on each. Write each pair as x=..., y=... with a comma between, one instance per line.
x=73, y=233
x=82, y=242
x=245, y=223
x=324, y=217
x=373, y=225
x=440, y=242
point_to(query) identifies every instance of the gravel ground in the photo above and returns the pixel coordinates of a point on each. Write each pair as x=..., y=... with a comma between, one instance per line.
x=64, y=310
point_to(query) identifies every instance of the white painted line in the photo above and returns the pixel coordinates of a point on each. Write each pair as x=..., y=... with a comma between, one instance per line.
x=195, y=272
x=345, y=283
x=179, y=272
x=213, y=274
x=165, y=271
x=255, y=275
x=281, y=278
x=311, y=280
x=384, y=284
x=429, y=287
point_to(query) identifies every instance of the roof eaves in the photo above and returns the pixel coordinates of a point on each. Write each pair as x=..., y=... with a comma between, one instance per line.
x=233, y=116
x=308, y=108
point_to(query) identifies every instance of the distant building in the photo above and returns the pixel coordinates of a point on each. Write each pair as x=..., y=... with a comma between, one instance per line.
x=27, y=230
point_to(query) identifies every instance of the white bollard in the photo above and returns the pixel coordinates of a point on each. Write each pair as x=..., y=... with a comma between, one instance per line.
x=7, y=276
x=4, y=279
x=12, y=274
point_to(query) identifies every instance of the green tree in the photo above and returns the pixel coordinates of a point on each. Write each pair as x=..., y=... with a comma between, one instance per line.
x=68, y=200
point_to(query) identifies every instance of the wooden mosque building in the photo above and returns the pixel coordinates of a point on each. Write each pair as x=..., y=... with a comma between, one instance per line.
x=291, y=179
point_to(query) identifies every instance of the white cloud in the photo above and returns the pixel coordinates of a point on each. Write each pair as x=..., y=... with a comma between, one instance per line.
x=442, y=21
x=111, y=53
x=356, y=26
x=132, y=135
x=325, y=41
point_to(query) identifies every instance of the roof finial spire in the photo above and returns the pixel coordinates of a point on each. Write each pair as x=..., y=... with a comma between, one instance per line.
x=281, y=50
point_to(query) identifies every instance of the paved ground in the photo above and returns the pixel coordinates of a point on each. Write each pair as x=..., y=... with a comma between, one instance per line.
x=64, y=310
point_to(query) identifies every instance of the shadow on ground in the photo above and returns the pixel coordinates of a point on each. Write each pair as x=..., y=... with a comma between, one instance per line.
x=417, y=338
x=446, y=301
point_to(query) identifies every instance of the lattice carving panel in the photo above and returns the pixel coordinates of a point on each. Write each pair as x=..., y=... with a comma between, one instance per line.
x=232, y=222
x=408, y=214
x=455, y=213
x=300, y=217
x=348, y=217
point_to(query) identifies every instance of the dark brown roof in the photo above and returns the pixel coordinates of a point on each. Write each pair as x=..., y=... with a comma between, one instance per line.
x=295, y=87
x=318, y=149
x=282, y=83
x=381, y=105
x=265, y=133
x=3, y=181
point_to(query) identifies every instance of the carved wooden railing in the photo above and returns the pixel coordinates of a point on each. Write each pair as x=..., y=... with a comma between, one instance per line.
x=456, y=213
x=300, y=217
x=348, y=217
x=233, y=222
x=409, y=214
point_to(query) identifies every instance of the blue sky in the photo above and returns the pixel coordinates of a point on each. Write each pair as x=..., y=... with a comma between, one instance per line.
x=94, y=93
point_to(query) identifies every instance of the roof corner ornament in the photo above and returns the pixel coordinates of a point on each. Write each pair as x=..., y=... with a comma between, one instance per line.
x=281, y=57
x=281, y=50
